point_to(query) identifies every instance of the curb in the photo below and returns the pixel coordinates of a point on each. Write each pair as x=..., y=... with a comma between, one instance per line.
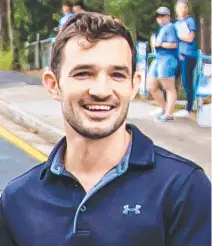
x=30, y=150
x=51, y=133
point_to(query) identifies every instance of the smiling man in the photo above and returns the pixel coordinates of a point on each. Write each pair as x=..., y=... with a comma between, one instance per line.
x=105, y=183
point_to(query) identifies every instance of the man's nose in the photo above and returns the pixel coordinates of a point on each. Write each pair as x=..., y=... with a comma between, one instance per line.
x=100, y=88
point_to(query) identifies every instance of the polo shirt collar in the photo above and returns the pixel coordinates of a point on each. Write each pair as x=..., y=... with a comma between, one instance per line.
x=142, y=152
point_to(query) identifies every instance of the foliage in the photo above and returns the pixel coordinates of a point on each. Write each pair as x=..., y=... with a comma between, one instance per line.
x=6, y=60
x=41, y=16
x=32, y=16
x=95, y=5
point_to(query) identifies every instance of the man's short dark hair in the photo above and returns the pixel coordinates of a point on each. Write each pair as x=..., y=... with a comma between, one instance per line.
x=93, y=27
x=79, y=3
x=68, y=3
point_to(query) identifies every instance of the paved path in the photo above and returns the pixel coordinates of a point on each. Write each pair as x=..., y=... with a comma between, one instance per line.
x=13, y=78
x=13, y=162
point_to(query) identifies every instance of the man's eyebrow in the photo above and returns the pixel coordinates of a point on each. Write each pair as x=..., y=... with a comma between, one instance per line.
x=91, y=66
x=81, y=67
x=122, y=68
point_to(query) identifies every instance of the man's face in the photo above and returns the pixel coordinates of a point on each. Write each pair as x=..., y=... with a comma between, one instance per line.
x=182, y=9
x=162, y=19
x=66, y=9
x=96, y=86
x=76, y=9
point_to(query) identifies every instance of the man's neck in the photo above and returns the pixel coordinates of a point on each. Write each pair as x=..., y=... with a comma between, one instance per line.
x=165, y=22
x=95, y=157
x=182, y=17
x=80, y=11
x=67, y=13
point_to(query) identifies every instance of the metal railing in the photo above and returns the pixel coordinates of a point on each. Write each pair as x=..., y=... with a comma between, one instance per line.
x=38, y=53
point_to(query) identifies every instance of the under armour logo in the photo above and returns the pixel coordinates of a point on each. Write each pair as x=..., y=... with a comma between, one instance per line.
x=127, y=209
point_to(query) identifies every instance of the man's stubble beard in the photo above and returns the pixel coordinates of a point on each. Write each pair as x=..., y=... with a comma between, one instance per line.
x=76, y=122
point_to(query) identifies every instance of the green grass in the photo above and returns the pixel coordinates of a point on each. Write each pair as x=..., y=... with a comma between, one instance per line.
x=5, y=60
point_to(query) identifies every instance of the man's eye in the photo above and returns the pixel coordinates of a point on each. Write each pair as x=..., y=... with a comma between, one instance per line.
x=118, y=76
x=82, y=75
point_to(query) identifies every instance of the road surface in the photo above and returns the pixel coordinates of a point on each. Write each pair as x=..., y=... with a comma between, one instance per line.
x=13, y=162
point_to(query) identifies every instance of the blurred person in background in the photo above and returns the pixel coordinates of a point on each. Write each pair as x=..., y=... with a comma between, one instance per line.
x=186, y=27
x=78, y=6
x=67, y=14
x=163, y=69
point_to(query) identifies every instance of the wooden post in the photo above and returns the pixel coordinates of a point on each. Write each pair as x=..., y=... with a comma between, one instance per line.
x=10, y=26
x=37, y=51
x=202, y=37
x=4, y=37
x=205, y=33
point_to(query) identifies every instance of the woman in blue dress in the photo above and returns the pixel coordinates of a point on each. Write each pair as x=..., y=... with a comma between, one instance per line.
x=186, y=27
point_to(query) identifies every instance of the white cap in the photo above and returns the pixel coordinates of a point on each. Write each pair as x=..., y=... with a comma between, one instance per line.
x=163, y=11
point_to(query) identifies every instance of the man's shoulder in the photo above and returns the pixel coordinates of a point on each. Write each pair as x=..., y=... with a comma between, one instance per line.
x=71, y=14
x=67, y=16
x=162, y=162
x=177, y=21
x=174, y=163
x=61, y=17
x=170, y=26
x=172, y=170
x=27, y=180
x=190, y=19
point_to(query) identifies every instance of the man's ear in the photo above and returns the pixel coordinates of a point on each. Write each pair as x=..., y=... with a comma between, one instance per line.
x=136, y=84
x=51, y=84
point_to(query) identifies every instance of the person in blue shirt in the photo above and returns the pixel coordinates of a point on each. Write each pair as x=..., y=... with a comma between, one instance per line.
x=105, y=183
x=67, y=14
x=163, y=68
x=186, y=27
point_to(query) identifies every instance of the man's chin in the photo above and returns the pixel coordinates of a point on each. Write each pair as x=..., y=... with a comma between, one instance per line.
x=96, y=127
x=97, y=131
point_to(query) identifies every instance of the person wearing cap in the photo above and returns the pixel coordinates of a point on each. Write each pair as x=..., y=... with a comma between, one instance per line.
x=163, y=68
x=186, y=27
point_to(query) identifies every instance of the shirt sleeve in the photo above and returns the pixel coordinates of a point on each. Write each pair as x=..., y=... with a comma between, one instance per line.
x=167, y=34
x=59, y=23
x=5, y=238
x=190, y=224
x=161, y=34
x=171, y=35
x=192, y=24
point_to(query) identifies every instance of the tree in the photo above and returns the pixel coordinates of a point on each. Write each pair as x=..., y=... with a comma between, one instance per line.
x=202, y=12
x=4, y=39
x=26, y=18
x=94, y=5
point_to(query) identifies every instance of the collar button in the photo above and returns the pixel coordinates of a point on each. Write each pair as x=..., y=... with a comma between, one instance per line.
x=83, y=208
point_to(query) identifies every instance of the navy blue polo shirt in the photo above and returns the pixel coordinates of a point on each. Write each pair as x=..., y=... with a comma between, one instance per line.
x=152, y=198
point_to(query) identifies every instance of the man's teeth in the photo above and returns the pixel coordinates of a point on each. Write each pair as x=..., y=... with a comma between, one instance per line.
x=98, y=107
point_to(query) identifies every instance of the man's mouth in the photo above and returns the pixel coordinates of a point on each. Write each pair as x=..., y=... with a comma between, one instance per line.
x=98, y=108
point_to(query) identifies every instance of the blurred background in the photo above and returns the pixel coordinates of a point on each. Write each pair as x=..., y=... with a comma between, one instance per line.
x=23, y=22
